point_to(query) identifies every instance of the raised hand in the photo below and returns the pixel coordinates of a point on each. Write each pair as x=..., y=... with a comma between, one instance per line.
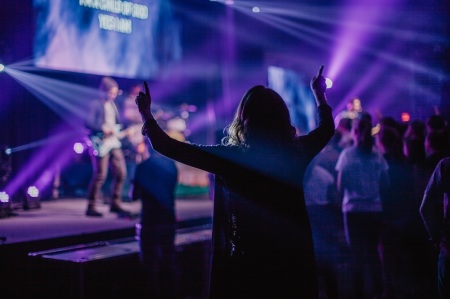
x=318, y=83
x=144, y=101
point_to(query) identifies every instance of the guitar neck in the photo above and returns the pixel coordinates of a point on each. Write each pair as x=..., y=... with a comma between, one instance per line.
x=130, y=130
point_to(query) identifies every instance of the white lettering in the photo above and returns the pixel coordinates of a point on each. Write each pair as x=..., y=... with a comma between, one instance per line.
x=124, y=8
x=111, y=23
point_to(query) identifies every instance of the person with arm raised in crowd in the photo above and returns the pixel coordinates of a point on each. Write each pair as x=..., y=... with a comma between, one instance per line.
x=262, y=241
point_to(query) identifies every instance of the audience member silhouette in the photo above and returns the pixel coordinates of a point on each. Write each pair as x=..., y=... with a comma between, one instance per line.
x=262, y=240
x=435, y=214
x=414, y=143
x=328, y=157
x=326, y=221
x=437, y=140
x=154, y=183
x=398, y=210
x=436, y=123
x=423, y=267
x=436, y=148
x=361, y=173
x=344, y=132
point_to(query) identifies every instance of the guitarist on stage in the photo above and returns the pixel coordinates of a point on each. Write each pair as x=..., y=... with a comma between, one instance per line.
x=106, y=149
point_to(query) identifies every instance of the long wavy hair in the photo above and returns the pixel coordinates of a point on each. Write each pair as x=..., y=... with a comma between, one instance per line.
x=261, y=115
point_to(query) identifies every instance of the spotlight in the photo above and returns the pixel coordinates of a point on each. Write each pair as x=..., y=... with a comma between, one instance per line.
x=5, y=172
x=2, y=67
x=32, y=198
x=33, y=192
x=5, y=166
x=5, y=205
x=78, y=148
x=4, y=197
x=256, y=9
x=406, y=117
x=329, y=83
x=184, y=114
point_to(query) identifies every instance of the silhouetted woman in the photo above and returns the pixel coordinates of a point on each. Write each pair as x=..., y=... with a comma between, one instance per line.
x=262, y=242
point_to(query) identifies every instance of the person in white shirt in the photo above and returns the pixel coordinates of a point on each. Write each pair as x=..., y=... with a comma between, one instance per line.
x=361, y=173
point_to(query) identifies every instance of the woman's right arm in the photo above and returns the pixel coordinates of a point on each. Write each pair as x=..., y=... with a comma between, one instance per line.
x=318, y=138
x=217, y=159
x=318, y=86
x=208, y=158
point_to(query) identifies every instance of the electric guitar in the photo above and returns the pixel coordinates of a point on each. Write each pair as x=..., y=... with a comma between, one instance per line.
x=101, y=145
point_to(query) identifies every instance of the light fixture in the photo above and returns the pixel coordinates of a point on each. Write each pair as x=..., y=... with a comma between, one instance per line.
x=5, y=205
x=32, y=200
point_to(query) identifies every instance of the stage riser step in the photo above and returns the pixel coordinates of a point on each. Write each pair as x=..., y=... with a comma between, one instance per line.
x=111, y=269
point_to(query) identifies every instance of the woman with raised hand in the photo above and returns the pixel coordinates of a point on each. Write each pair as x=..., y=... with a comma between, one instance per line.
x=262, y=242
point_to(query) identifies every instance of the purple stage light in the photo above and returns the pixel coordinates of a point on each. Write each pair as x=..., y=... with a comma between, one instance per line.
x=78, y=148
x=329, y=83
x=4, y=197
x=256, y=9
x=405, y=117
x=33, y=192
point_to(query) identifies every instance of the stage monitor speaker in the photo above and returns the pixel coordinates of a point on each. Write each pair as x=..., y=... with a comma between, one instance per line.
x=95, y=270
x=111, y=269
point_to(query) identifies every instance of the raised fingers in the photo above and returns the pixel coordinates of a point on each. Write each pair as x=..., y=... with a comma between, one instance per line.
x=147, y=92
x=320, y=71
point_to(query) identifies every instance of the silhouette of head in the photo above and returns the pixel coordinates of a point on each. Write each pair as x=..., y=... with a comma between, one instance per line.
x=261, y=115
x=109, y=88
x=362, y=133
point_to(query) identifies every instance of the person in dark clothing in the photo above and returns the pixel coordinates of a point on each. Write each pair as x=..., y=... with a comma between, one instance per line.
x=422, y=282
x=320, y=198
x=436, y=148
x=154, y=183
x=262, y=241
x=399, y=211
x=435, y=214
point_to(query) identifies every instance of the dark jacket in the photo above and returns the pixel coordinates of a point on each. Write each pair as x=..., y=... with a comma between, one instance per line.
x=262, y=241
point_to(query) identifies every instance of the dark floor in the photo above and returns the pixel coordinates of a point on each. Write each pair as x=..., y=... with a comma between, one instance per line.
x=55, y=251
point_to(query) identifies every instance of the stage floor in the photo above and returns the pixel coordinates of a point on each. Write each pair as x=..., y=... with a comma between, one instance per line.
x=65, y=217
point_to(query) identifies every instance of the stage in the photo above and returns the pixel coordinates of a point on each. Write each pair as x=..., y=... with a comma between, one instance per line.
x=65, y=217
x=55, y=251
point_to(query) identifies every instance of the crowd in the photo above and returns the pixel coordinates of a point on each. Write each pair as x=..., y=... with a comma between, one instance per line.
x=369, y=220
x=364, y=193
